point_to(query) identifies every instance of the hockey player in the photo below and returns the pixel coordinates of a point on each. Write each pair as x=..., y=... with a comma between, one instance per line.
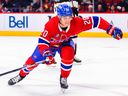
x=56, y=37
x=74, y=5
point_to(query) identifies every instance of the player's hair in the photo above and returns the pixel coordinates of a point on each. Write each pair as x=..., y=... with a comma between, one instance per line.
x=64, y=10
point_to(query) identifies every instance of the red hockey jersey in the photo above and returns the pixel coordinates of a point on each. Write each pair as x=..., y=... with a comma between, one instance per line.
x=53, y=35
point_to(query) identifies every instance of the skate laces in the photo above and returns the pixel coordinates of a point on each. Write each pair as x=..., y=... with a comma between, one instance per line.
x=16, y=79
x=64, y=81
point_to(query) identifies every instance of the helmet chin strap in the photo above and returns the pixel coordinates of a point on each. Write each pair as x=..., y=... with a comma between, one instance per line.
x=60, y=24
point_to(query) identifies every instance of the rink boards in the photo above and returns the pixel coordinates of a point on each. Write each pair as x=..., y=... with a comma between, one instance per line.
x=29, y=24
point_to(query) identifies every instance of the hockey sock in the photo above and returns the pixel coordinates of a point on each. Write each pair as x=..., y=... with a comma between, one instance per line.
x=67, y=55
x=25, y=71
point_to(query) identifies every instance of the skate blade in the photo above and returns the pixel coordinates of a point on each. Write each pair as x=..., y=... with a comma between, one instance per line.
x=75, y=63
x=63, y=90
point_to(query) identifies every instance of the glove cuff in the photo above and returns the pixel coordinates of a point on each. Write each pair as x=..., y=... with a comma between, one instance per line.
x=110, y=30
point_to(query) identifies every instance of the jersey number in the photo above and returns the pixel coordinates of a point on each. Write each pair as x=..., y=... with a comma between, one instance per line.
x=45, y=33
x=87, y=21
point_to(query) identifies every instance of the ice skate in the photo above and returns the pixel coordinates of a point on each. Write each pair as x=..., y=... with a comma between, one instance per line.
x=15, y=80
x=77, y=60
x=63, y=84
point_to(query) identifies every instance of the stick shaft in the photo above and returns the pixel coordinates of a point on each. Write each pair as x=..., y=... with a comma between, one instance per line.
x=14, y=70
x=17, y=69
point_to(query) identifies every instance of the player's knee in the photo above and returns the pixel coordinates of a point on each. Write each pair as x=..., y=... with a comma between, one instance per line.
x=67, y=54
x=29, y=61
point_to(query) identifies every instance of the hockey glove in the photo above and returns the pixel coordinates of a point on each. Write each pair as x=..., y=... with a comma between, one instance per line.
x=115, y=32
x=75, y=11
x=49, y=59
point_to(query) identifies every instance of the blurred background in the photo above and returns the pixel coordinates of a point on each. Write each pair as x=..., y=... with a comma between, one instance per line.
x=18, y=16
x=110, y=6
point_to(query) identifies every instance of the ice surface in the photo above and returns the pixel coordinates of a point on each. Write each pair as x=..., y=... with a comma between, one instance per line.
x=103, y=72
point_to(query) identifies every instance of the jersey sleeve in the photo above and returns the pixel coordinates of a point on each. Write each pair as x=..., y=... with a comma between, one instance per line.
x=94, y=22
x=103, y=24
x=85, y=24
x=44, y=39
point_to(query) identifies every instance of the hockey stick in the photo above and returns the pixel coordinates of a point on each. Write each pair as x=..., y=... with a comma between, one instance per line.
x=72, y=3
x=17, y=69
x=74, y=6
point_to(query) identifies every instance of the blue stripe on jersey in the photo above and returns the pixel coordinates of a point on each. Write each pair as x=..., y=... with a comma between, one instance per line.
x=95, y=21
x=43, y=41
x=66, y=67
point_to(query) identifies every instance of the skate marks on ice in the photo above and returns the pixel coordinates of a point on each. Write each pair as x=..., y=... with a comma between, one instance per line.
x=44, y=81
x=53, y=89
x=99, y=90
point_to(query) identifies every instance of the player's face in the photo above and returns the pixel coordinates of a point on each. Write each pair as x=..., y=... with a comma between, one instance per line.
x=65, y=21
